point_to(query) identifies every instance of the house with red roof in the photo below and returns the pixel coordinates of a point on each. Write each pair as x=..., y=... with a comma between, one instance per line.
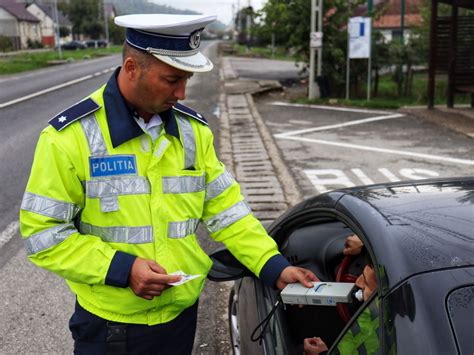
x=389, y=23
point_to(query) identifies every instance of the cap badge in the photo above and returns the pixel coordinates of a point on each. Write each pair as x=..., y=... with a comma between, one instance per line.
x=195, y=39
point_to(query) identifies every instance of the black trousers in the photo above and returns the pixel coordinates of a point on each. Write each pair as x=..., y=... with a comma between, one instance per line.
x=95, y=335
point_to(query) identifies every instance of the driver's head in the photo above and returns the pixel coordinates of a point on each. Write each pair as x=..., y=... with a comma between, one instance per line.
x=367, y=282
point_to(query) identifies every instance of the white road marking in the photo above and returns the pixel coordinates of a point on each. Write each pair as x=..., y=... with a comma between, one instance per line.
x=321, y=178
x=53, y=88
x=386, y=115
x=325, y=180
x=362, y=177
x=339, y=125
x=302, y=122
x=414, y=174
x=332, y=108
x=9, y=232
x=379, y=150
x=388, y=174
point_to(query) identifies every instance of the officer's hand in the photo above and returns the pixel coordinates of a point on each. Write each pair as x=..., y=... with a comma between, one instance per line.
x=353, y=245
x=313, y=346
x=148, y=279
x=292, y=274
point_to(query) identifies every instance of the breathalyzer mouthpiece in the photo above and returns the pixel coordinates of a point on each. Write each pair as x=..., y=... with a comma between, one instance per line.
x=359, y=295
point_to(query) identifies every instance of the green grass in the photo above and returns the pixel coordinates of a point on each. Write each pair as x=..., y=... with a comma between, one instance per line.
x=262, y=52
x=388, y=95
x=31, y=61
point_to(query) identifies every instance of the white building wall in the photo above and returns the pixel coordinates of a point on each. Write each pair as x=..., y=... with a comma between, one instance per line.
x=47, y=24
x=29, y=30
x=387, y=35
x=8, y=24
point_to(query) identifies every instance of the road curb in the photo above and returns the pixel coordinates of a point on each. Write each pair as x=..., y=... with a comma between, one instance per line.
x=290, y=189
x=248, y=150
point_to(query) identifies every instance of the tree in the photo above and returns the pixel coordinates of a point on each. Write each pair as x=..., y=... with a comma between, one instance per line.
x=292, y=20
x=84, y=15
x=380, y=58
x=245, y=25
x=64, y=31
x=116, y=33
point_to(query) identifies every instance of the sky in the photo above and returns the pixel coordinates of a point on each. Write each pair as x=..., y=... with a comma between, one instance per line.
x=222, y=8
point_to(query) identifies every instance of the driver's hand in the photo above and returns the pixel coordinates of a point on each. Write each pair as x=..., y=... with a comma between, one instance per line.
x=313, y=346
x=353, y=245
x=292, y=274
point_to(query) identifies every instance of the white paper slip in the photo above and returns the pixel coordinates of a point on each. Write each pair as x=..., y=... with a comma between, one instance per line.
x=184, y=278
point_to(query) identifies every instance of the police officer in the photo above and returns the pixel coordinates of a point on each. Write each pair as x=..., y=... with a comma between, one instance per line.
x=118, y=186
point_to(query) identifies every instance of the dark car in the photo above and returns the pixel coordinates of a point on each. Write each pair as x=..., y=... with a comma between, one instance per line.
x=420, y=237
x=73, y=45
x=96, y=43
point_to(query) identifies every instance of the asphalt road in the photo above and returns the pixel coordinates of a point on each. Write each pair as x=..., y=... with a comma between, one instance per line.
x=20, y=85
x=327, y=148
x=349, y=148
x=35, y=305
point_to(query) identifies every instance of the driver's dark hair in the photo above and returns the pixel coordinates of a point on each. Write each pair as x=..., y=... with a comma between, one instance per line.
x=368, y=260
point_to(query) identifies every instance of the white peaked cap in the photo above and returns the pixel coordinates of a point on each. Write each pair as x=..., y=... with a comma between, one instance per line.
x=173, y=39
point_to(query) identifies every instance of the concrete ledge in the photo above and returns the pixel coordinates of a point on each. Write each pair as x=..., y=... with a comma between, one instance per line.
x=460, y=120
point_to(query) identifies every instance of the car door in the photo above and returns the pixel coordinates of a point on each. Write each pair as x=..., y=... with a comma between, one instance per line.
x=362, y=335
x=253, y=303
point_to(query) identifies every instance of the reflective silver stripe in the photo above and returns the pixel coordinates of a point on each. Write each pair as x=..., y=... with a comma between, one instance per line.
x=219, y=185
x=94, y=136
x=183, y=184
x=109, y=204
x=227, y=217
x=182, y=229
x=117, y=186
x=189, y=142
x=48, y=238
x=49, y=207
x=162, y=147
x=119, y=234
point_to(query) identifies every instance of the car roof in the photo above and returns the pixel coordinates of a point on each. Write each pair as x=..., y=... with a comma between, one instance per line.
x=416, y=226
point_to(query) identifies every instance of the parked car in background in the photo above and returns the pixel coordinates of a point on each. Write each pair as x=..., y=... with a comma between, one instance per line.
x=96, y=43
x=420, y=238
x=73, y=45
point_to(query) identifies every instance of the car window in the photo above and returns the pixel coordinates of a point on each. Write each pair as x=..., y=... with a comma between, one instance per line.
x=362, y=335
x=460, y=305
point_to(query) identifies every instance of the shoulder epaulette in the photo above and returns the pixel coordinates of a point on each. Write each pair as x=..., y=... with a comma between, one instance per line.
x=190, y=112
x=73, y=113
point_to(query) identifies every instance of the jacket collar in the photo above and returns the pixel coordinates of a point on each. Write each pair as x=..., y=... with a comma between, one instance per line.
x=121, y=116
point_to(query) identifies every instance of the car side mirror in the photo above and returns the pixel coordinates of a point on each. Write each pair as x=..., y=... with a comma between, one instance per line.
x=225, y=267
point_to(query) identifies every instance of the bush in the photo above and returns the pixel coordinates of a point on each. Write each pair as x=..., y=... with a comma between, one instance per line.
x=6, y=44
x=34, y=44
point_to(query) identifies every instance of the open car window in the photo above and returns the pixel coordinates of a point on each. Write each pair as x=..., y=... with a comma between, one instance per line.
x=318, y=247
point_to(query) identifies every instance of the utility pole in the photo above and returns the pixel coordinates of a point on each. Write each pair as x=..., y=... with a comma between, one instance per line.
x=402, y=39
x=402, y=23
x=369, y=71
x=239, y=19
x=106, y=24
x=315, y=45
x=273, y=39
x=56, y=24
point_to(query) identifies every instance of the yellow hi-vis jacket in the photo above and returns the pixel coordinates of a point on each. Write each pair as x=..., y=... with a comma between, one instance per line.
x=101, y=193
